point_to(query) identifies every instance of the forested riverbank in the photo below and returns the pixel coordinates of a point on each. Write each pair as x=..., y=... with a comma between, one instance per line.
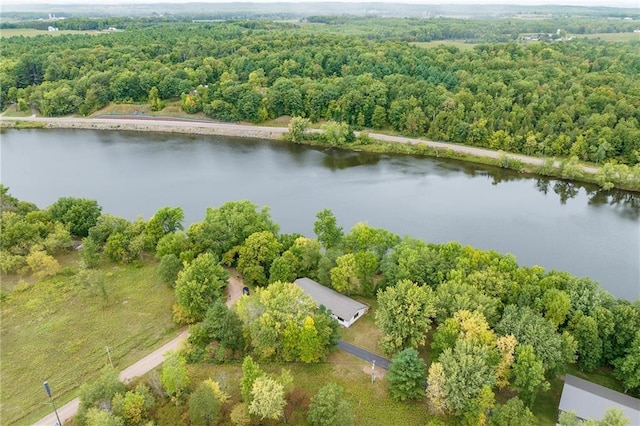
x=570, y=98
x=608, y=176
x=495, y=334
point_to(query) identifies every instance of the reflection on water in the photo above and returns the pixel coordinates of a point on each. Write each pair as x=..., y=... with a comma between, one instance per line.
x=339, y=160
x=548, y=222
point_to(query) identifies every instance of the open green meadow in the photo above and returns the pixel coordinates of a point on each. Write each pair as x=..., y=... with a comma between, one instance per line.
x=57, y=330
x=30, y=32
x=611, y=37
x=437, y=43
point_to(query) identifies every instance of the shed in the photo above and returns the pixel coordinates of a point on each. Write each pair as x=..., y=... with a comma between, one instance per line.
x=343, y=308
x=589, y=400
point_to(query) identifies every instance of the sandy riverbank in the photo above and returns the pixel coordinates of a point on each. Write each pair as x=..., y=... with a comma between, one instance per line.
x=198, y=127
x=152, y=124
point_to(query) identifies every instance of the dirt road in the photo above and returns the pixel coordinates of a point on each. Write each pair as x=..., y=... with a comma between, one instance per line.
x=177, y=125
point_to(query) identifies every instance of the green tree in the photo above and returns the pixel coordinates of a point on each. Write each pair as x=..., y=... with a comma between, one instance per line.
x=131, y=406
x=221, y=324
x=176, y=244
x=155, y=102
x=436, y=395
x=169, y=268
x=255, y=256
x=528, y=374
x=229, y=226
x=41, y=264
x=126, y=245
x=175, y=379
x=407, y=375
x=614, y=416
x=379, y=117
x=166, y=220
x=414, y=260
x=468, y=368
x=100, y=392
x=204, y=406
x=344, y=277
x=90, y=253
x=327, y=229
x=513, y=413
x=307, y=255
x=274, y=319
x=297, y=128
x=199, y=285
x=310, y=346
x=556, y=305
x=283, y=268
x=530, y=328
x=267, y=398
x=329, y=407
x=100, y=417
x=585, y=330
x=80, y=214
x=240, y=415
x=336, y=134
x=627, y=368
x=250, y=372
x=365, y=238
x=404, y=315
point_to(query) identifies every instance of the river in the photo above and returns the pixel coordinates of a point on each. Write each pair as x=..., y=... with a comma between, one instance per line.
x=551, y=223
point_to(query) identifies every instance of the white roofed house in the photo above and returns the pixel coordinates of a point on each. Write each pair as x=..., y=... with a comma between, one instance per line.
x=590, y=401
x=343, y=308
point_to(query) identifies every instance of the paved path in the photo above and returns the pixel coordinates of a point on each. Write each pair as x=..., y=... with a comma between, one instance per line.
x=363, y=354
x=156, y=357
x=141, y=367
x=146, y=364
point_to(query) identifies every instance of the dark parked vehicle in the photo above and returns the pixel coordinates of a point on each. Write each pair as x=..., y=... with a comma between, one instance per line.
x=245, y=290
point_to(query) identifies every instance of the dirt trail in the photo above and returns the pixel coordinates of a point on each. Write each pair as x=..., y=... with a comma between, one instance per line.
x=177, y=125
x=234, y=288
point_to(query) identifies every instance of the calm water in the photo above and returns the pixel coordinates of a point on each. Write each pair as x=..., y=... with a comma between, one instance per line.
x=545, y=222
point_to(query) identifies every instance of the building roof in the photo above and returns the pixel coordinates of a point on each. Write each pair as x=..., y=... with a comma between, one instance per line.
x=341, y=305
x=589, y=400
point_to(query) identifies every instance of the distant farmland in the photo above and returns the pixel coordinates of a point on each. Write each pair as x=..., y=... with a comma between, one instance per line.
x=29, y=32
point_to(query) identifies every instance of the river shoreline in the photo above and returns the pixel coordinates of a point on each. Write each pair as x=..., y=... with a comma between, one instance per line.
x=146, y=123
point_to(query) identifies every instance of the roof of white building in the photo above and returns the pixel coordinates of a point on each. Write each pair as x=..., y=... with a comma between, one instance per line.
x=589, y=400
x=341, y=305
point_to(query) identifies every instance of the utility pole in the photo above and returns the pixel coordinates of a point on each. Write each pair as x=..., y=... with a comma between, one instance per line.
x=109, y=355
x=47, y=389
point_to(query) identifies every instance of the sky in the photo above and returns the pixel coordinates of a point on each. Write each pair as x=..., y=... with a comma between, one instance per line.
x=615, y=3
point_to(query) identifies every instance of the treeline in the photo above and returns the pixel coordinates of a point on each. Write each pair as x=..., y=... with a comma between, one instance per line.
x=471, y=30
x=573, y=98
x=491, y=325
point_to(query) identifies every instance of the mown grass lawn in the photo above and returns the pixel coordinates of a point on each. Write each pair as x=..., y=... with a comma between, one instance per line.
x=57, y=330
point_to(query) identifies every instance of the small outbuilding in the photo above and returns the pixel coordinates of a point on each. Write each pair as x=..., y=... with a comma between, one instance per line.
x=344, y=309
x=589, y=400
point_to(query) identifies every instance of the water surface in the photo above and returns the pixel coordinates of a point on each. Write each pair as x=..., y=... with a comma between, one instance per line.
x=551, y=223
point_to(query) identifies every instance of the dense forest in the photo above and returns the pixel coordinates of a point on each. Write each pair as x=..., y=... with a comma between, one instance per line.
x=493, y=330
x=563, y=97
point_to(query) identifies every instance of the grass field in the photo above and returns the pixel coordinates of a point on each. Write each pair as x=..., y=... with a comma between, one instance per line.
x=370, y=402
x=57, y=330
x=436, y=43
x=614, y=37
x=29, y=32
